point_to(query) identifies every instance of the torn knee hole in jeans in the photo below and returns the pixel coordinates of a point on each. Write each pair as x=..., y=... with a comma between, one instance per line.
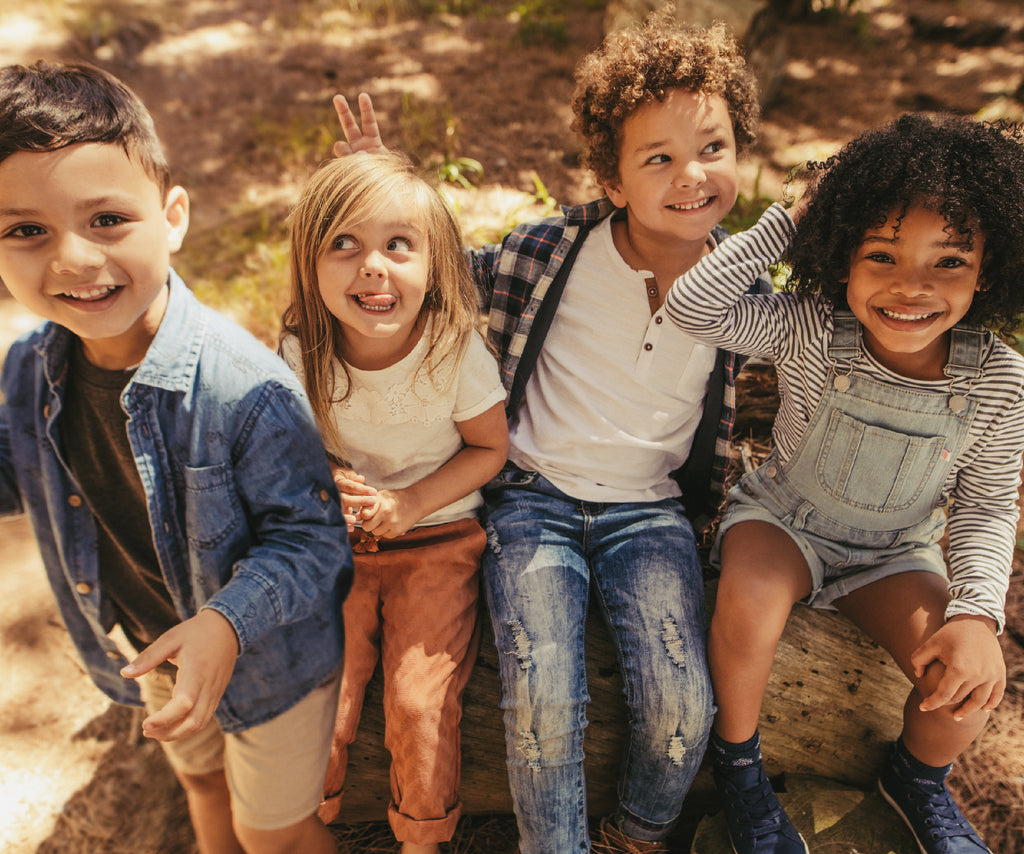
x=676, y=750
x=493, y=543
x=529, y=749
x=673, y=642
x=523, y=647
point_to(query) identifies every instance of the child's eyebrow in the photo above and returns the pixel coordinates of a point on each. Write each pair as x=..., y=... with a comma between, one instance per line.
x=17, y=213
x=962, y=245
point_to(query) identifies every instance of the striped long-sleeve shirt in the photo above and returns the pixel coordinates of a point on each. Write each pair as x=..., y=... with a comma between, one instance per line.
x=794, y=332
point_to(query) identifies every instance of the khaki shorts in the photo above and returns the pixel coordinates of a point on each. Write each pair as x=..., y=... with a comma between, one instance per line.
x=275, y=771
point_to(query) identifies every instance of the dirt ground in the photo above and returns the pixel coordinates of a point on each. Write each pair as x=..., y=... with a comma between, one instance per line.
x=240, y=92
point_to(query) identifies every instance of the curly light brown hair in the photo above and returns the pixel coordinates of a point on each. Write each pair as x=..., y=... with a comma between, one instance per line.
x=640, y=65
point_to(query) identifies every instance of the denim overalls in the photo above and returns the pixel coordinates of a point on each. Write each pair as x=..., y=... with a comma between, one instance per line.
x=863, y=493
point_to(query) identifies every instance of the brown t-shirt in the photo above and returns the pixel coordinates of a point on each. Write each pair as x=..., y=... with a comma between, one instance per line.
x=95, y=443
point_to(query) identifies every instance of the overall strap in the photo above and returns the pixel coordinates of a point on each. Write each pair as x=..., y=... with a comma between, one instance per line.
x=966, y=352
x=845, y=345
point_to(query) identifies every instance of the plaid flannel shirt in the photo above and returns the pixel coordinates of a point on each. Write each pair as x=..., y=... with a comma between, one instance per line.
x=521, y=282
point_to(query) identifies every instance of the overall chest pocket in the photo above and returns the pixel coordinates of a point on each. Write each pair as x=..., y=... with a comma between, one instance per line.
x=878, y=469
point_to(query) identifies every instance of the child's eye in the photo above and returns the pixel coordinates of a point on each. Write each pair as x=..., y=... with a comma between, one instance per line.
x=24, y=231
x=399, y=244
x=879, y=257
x=659, y=158
x=951, y=263
x=107, y=220
x=714, y=147
x=344, y=241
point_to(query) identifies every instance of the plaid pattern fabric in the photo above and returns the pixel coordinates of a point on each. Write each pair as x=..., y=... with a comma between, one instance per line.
x=521, y=281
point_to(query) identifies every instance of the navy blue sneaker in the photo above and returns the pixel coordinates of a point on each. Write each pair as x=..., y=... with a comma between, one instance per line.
x=924, y=803
x=756, y=820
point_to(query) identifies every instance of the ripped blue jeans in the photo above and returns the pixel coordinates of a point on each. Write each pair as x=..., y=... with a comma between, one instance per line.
x=544, y=550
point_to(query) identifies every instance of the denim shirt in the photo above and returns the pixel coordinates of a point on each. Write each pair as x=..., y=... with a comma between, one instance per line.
x=244, y=512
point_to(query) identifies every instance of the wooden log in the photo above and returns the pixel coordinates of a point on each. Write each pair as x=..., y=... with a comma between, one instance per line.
x=834, y=700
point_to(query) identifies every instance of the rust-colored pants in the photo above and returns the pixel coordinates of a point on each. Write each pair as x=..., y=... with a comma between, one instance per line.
x=414, y=605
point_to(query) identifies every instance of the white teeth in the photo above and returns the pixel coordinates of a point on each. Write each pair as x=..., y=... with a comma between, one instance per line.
x=895, y=315
x=692, y=206
x=91, y=293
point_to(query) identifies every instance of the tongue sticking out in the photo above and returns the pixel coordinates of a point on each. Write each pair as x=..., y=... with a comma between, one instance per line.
x=377, y=302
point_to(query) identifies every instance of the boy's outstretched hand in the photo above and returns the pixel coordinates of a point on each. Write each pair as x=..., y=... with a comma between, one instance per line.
x=367, y=138
x=974, y=678
x=204, y=648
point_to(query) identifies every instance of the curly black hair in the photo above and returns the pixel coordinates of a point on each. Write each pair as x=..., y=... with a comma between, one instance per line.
x=640, y=65
x=970, y=172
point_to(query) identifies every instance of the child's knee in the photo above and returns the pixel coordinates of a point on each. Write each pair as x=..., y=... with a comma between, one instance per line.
x=212, y=784
x=309, y=836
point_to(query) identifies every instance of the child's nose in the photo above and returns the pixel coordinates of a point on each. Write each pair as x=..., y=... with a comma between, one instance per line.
x=913, y=283
x=74, y=254
x=690, y=174
x=372, y=268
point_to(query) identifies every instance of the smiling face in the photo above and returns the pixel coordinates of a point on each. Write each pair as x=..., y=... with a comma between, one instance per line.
x=677, y=169
x=911, y=280
x=373, y=277
x=85, y=241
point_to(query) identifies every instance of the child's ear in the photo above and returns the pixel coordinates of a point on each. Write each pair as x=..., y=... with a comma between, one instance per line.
x=176, y=214
x=614, y=193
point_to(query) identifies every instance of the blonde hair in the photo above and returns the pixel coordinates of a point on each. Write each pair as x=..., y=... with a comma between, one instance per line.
x=349, y=191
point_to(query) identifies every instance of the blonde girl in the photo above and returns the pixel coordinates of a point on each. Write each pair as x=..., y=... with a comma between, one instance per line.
x=381, y=329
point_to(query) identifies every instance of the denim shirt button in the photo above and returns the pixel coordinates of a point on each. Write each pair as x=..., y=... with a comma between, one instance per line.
x=84, y=587
x=323, y=495
x=75, y=500
x=113, y=654
x=46, y=412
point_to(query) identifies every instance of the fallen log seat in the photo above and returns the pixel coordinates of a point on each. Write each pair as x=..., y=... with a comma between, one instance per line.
x=834, y=701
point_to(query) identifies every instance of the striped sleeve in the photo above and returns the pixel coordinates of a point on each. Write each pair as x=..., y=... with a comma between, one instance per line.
x=708, y=300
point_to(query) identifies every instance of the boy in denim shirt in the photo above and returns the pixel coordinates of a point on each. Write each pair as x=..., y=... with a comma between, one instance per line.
x=170, y=467
x=619, y=433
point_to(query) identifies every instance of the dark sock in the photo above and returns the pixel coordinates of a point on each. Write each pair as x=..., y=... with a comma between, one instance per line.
x=741, y=754
x=905, y=760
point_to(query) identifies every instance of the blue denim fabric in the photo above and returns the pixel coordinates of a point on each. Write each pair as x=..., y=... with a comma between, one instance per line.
x=244, y=511
x=544, y=550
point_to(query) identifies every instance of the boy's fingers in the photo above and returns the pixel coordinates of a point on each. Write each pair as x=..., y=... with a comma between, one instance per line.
x=345, y=117
x=368, y=118
x=152, y=656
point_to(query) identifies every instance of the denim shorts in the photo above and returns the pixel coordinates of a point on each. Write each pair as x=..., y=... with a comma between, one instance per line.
x=836, y=568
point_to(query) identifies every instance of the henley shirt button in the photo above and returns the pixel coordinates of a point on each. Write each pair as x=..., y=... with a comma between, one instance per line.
x=648, y=347
x=653, y=292
x=658, y=320
x=84, y=587
x=75, y=500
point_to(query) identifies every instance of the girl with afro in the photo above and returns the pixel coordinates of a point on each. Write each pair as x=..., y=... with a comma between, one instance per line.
x=901, y=417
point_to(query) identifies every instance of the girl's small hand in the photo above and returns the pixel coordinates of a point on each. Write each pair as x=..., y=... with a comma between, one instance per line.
x=357, y=498
x=365, y=139
x=393, y=516
x=974, y=675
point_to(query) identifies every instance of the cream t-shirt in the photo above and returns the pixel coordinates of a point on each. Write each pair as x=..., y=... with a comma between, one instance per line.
x=398, y=425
